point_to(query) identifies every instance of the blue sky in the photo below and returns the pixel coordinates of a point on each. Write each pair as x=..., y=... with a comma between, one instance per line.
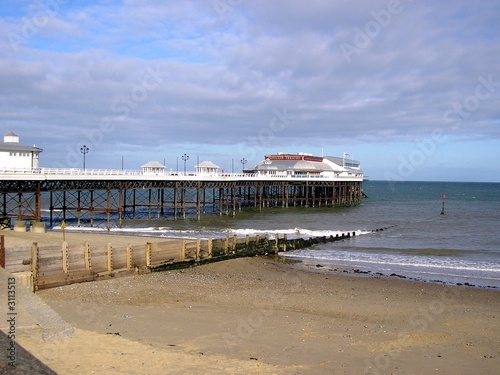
x=409, y=88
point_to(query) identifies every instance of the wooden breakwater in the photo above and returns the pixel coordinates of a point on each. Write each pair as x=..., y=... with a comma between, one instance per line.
x=51, y=266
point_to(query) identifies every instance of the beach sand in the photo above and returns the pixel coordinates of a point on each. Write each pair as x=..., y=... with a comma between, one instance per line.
x=261, y=316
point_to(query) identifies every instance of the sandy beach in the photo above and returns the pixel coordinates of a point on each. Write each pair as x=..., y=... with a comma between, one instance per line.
x=261, y=316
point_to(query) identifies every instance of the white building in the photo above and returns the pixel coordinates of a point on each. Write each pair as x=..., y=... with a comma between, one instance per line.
x=153, y=168
x=306, y=165
x=207, y=168
x=16, y=156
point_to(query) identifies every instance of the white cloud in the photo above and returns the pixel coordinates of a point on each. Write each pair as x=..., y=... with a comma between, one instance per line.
x=223, y=74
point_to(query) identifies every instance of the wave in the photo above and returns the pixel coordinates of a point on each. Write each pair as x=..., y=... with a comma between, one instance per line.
x=295, y=232
x=462, y=271
x=144, y=231
x=410, y=263
x=206, y=232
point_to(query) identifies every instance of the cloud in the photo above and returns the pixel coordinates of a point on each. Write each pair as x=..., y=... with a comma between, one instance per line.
x=227, y=66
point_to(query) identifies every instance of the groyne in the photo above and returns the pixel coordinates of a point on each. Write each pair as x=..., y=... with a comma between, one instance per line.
x=41, y=267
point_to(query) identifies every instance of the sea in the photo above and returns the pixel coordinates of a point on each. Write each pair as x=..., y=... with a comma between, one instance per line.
x=442, y=232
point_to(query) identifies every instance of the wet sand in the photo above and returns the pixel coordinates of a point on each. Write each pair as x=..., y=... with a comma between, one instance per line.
x=259, y=315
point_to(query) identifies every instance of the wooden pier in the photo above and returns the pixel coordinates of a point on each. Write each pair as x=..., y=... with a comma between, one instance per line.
x=112, y=196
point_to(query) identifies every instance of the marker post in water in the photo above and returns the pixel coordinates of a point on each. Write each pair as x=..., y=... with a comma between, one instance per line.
x=63, y=227
x=442, y=209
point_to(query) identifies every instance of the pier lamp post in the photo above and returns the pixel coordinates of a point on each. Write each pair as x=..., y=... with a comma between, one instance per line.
x=84, y=150
x=185, y=158
x=243, y=161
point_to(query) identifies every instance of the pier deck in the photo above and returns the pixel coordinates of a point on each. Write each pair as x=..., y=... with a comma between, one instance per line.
x=115, y=195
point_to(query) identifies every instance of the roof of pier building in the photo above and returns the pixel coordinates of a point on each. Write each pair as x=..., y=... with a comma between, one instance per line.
x=15, y=156
x=11, y=144
x=207, y=164
x=346, y=162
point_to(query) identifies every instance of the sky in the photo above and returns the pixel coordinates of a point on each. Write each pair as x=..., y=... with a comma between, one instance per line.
x=409, y=88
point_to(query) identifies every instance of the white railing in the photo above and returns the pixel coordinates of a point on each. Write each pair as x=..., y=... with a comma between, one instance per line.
x=89, y=172
x=123, y=172
x=19, y=170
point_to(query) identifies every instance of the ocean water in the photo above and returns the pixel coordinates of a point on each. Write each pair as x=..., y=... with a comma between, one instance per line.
x=461, y=246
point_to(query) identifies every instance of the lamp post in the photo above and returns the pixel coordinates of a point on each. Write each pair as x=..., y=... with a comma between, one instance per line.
x=84, y=150
x=185, y=158
x=243, y=161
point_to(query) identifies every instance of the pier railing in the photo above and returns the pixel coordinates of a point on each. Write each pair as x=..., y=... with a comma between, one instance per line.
x=78, y=172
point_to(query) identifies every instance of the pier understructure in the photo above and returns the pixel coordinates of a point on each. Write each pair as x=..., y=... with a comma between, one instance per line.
x=96, y=200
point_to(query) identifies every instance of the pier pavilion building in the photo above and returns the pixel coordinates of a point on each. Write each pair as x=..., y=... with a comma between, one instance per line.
x=153, y=168
x=207, y=168
x=306, y=165
x=15, y=156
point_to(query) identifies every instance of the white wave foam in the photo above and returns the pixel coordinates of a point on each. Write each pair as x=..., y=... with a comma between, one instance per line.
x=408, y=262
x=204, y=232
x=294, y=232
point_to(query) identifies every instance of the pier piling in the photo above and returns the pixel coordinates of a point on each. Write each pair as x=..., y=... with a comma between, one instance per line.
x=108, y=201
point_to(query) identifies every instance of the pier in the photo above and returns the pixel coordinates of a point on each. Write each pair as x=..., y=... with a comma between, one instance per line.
x=91, y=197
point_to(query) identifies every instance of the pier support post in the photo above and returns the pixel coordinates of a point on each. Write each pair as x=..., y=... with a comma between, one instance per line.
x=20, y=226
x=158, y=203
x=2, y=251
x=307, y=193
x=120, y=205
x=221, y=200
x=233, y=199
x=91, y=209
x=176, y=199
x=183, y=202
x=108, y=208
x=198, y=202
x=78, y=208
x=149, y=203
